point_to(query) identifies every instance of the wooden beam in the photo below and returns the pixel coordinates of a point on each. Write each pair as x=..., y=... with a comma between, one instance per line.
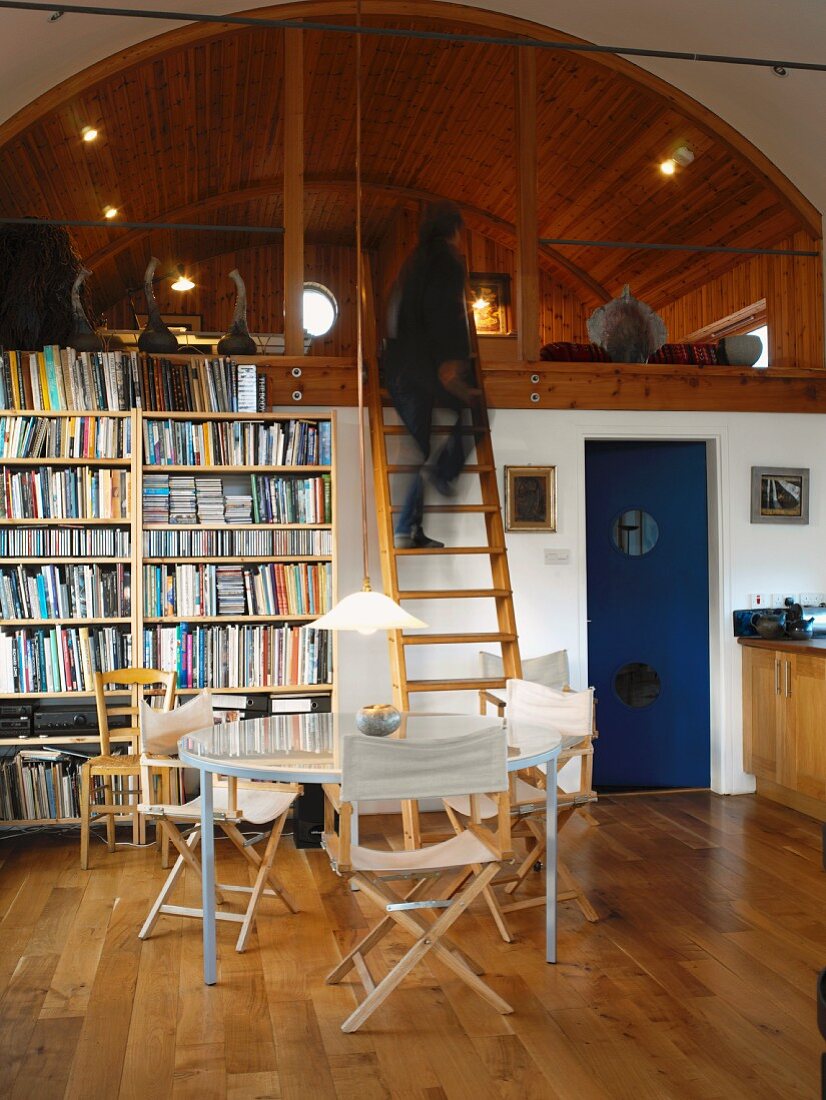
x=293, y=191
x=527, y=231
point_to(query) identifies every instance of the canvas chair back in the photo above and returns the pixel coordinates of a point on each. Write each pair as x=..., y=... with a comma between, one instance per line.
x=374, y=768
x=136, y=680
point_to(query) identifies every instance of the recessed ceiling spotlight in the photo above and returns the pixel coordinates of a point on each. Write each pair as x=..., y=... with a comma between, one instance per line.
x=110, y=212
x=778, y=70
x=667, y=167
x=88, y=133
x=53, y=18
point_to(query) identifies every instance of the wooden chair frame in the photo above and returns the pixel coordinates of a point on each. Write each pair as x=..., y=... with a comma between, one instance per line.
x=126, y=767
x=168, y=818
x=453, y=891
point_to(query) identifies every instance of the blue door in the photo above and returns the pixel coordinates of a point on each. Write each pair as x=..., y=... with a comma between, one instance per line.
x=647, y=557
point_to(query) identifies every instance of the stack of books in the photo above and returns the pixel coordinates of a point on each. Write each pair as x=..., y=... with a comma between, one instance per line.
x=209, y=499
x=238, y=508
x=156, y=498
x=229, y=582
x=182, y=507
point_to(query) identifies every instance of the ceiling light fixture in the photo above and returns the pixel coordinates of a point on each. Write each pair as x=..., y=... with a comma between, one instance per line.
x=668, y=167
x=110, y=212
x=683, y=156
x=88, y=133
x=183, y=282
x=365, y=611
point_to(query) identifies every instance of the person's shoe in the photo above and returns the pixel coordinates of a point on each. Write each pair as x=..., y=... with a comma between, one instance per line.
x=421, y=541
x=441, y=484
x=416, y=540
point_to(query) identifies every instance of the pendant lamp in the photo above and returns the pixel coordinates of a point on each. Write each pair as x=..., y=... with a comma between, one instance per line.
x=365, y=611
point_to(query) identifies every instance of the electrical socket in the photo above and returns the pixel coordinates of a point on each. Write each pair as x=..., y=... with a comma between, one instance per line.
x=760, y=599
x=812, y=599
x=779, y=598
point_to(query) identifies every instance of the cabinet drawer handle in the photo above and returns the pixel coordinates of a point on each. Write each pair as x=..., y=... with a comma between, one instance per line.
x=788, y=680
x=777, y=676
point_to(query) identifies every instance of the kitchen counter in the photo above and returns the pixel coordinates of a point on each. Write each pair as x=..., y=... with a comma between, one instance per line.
x=784, y=720
x=815, y=646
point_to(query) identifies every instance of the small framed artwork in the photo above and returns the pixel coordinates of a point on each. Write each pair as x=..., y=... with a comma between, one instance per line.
x=779, y=495
x=490, y=293
x=530, y=498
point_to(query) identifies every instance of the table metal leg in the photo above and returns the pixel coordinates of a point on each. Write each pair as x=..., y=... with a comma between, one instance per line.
x=208, y=879
x=550, y=864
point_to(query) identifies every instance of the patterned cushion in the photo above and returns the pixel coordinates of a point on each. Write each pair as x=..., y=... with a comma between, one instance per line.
x=698, y=355
x=562, y=352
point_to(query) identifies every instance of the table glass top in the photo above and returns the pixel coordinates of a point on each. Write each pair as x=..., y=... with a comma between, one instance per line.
x=310, y=743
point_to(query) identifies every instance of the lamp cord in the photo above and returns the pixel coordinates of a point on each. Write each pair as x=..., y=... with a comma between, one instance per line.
x=359, y=318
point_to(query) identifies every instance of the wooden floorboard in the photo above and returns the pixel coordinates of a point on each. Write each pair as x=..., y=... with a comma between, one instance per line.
x=697, y=983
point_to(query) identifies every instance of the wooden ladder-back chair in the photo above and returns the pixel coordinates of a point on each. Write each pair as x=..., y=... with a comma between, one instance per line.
x=234, y=803
x=109, y=768
x=374, y=769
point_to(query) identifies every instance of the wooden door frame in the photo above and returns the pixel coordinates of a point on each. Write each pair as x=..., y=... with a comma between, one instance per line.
x=725, y=717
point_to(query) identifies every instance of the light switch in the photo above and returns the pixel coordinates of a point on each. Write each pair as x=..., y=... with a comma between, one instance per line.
x=557, y=557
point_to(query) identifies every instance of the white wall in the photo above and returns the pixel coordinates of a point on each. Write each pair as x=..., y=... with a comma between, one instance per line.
x=550, y=601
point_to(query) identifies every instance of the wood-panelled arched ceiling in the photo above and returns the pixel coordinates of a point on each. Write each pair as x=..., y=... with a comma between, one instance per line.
x=193, y=131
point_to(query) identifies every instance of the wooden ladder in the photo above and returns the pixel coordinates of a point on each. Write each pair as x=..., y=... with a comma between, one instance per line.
x=494, y=548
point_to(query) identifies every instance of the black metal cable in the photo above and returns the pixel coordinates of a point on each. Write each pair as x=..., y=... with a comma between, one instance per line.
x=394, y=32
x=111, y=224
x=679, y=247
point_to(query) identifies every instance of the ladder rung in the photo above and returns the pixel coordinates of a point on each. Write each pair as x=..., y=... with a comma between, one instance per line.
x=437, y=429
x=412, y=468
x=451, y=508
x=454, y=639
x=455, y=685
x=455, y=594
x=491, y=550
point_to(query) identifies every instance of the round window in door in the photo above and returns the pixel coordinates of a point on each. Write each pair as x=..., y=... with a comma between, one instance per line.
x=637, y=685
x=634, y=532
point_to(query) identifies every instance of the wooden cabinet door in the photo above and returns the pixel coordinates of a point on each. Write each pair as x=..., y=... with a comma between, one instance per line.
x=763, y=711
x=801, y=762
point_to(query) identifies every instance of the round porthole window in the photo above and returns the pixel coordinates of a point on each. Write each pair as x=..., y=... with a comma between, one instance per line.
x=634, y=532
x=320, y=309
x=637, y=685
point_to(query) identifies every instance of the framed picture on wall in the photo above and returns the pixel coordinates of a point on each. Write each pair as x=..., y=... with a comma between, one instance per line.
x=779, y=494
x=530, y=498
x=490, y=297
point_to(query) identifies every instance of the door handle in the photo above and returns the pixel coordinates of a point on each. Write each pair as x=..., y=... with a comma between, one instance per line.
x=788, y=680
x=777, y=676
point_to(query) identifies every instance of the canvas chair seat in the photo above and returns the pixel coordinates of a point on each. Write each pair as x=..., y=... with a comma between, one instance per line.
x=456, y=851
x=521, y=792
x=256, y=807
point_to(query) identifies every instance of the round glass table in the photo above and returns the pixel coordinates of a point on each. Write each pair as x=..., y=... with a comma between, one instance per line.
x=306, y=748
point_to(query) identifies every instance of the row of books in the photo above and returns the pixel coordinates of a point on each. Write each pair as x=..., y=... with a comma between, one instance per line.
x=266, y=542
x=65, y=592
x=301, y=588
x=202, y=385
x=65, y=437
x=280, y=498
x=40, y=784
x=239, y=443
x=240, y=656
x=64, y=542
x=84, y=493
x=60, y=658
x=61, y=378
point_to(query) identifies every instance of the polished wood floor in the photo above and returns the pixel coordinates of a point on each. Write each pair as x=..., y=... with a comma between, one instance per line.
x=698, y=981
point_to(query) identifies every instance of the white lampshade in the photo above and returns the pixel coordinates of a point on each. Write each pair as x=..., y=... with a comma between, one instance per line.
x=367, y=612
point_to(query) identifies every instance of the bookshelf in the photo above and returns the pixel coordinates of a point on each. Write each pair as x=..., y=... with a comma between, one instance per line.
x=223, y=596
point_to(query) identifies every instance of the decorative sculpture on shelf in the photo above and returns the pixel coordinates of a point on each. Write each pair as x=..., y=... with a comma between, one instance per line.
x=84, y=337
x=627, y=329
x=38, y=266
x=156, y=339
x=238, y=340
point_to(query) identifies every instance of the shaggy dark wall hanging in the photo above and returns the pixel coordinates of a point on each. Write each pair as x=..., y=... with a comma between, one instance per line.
x=38, y=266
